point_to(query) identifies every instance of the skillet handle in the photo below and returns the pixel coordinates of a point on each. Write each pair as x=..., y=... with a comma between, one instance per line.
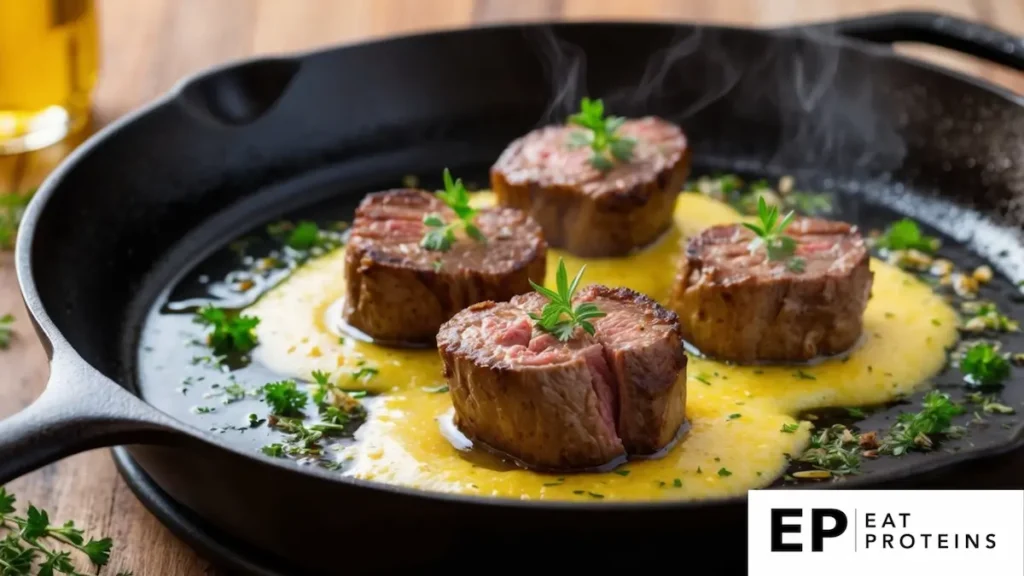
x=79, y=410
x=942, y=30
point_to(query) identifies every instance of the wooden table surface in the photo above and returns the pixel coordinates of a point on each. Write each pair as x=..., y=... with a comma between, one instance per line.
x=148, y=45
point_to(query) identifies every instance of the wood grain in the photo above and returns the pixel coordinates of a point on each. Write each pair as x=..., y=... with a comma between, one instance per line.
x=150, y=45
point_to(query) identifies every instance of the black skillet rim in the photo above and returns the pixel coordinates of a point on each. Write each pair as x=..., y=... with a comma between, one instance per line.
x=59, y=344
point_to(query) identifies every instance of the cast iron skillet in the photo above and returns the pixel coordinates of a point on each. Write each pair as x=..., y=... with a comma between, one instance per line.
x=240, y=144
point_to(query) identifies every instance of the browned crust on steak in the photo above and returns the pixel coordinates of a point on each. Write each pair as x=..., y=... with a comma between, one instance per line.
x=395, y=291
x=735, y=305
x=586, y=212
x=567, y=405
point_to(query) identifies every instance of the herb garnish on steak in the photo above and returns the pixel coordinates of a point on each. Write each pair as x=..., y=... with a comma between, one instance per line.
x=740, y=305
x=565, y=177
x=581, y=402
x=398, y=290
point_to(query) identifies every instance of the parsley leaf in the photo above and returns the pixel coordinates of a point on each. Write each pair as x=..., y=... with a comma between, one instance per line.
x=906, y=235
x=7, y=501
x=560, y=303
x=441, y=235
x=284, y=398
x=982, y=365
x=231, y=332
x=769, y=234
x=600, y=135
x=304, y=236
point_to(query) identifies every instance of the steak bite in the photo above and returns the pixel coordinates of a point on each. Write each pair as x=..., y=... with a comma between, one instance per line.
x=587, y=211
x=566, y=405
x=644, y=351
x=735, y=304
x=398, y=291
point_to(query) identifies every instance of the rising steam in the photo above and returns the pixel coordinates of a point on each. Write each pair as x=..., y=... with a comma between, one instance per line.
x=786, y=98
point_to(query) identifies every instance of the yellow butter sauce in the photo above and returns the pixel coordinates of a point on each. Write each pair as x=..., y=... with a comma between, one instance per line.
x=737, y=414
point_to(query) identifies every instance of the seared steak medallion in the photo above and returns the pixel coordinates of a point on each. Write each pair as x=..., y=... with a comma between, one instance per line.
x=398, y=291
x=735, y=304
x=583, y=210
x=567, y=405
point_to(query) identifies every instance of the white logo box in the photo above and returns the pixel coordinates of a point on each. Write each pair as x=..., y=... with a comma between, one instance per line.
x=879, y=532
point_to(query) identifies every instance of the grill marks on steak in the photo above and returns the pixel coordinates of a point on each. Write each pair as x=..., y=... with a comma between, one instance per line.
x=736, y=305
x=585, y=211
x=396, y=291
x=566, y=405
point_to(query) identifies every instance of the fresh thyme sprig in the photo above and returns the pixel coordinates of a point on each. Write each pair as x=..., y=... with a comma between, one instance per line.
x=441, y=235
x=560, y=303
x=770, y=234
x=31, y=545
x=600, y=135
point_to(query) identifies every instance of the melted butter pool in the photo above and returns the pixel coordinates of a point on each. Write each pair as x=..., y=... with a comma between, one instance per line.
x=737, y=414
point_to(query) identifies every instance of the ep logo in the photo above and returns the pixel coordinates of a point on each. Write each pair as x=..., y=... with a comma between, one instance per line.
x=821, y=523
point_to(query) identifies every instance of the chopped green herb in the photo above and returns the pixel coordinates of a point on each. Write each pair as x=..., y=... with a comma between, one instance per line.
x=203, y=409
x=255, y=421
x=835, y=449
x=906, y=235
x=914, y=430
x=304, y=236
x=789, y=428
x=595, y=495
x=703, y=378
x=274, y=450
x=284, y=398
x=234, y=392
x=795, y=264
x=365, y=373
x=6, y=331
x=801, y=375
x=855, y=412
x=231, y=332
x=440, y=235
x=12, y=208
x=677, y=483
x=986, y=316
x=997, y=408
x=560, y=303
x=734, y=416
x=621, y=472
x=600, y=134
x=982, y=365
x=723, y=472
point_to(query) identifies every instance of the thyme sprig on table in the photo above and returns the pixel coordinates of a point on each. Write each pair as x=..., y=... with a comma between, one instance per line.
x=559, y=304
x=601, y=135
x=440, y=234
x=29, y=544
x=769, y=231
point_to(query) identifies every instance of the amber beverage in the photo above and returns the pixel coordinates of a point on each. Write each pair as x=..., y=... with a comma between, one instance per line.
x=49, y=60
